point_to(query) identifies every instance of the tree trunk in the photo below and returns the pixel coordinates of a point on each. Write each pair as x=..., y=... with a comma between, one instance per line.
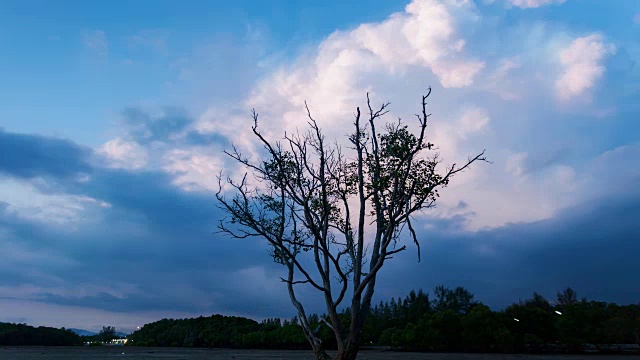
x=321, y=354
x=314, y=341
x=351, y=349
x=360, y=308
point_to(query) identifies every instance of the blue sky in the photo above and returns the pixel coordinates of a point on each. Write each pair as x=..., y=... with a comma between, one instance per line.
x=113, y=118
x=104, y=57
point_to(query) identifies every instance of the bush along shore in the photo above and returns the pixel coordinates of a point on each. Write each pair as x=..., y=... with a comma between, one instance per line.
x=448, y=320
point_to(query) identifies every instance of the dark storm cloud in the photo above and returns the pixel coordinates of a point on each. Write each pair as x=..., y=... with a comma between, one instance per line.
x=200, y=139
x=545, y=158
x=108, y=302
x=146, y=128
x=154, y=249
x=179, y=226
x=171, y=266
x=28, y=156
x=170, y=126
x=592, y=248
x=153, y=235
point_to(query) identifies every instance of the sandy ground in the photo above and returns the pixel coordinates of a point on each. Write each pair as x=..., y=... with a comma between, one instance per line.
x=118, y=352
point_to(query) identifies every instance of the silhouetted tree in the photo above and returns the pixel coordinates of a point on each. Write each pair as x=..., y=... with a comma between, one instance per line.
x=536, y=321
x=458, y=300
x=480, y=327
x=107, y=333
x=314, y=199
x=567, y=297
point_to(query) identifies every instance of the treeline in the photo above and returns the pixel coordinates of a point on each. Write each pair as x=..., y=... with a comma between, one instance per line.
x=451, y=320
x=22, y=334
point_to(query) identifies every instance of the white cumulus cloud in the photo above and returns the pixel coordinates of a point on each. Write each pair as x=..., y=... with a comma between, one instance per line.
x=488, y=81
x=124, y=154
x=478, y=100
x=582, y=65
x=194, y=170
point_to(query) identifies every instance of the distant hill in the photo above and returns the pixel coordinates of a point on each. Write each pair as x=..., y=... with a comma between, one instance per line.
x=83, y=332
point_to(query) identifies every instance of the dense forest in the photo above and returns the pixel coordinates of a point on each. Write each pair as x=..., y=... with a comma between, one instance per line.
x=22, y=334
x=450, y=320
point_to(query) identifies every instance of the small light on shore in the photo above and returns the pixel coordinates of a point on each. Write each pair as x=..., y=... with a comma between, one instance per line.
x=558, y=312
x=516, y=319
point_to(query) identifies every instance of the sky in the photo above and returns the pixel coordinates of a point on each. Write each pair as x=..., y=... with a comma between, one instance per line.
x=114, y=117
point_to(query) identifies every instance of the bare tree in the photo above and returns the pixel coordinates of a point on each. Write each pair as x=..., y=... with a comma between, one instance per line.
x=346, y=213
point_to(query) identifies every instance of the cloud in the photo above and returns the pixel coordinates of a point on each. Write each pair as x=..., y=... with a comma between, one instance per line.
x=437, y=46
x=96, y=42
x=168, y=139
x=194, y=171
x=158, y=258
x=394, y=59
x=582, y=65
x=528, y=4
x=30, y=201
x=167, y=125
x=544, y=256
x=596, y=236
x=522, y=163
x=35, y=170
x=34, y=156
x=343, y=67
x=145, y=127
x=124, y=154
x=472, y=121
x=156, y=231
x=600, y=182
